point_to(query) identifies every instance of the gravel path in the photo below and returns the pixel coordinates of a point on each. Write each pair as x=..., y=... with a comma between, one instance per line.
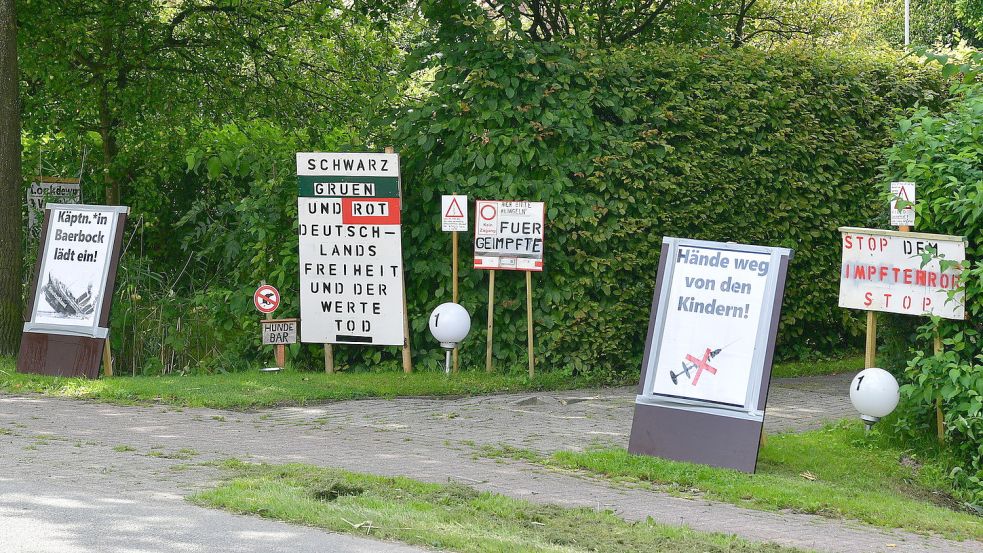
x=427, y=439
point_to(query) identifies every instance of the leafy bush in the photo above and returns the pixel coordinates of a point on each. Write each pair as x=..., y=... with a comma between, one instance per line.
x=942, y=155
x=776, y=148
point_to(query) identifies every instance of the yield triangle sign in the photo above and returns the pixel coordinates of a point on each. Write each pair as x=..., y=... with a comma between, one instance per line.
x=454, y=210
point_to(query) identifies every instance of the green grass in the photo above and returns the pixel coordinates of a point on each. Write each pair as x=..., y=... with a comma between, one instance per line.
x=866, y=478
x=818, y=367
x=255, y=389
x=445, y=516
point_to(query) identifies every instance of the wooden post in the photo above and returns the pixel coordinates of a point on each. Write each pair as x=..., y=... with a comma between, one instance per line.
x=939, y=418
x=107, y=358
x=491, y=321
x=407, y=354
x=870, y=350
x=532, y=353
x=454, y=264
x=328, y=359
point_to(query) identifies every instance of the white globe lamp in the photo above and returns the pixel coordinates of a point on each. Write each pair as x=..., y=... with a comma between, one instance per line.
x=874, y=393
x=450, y=324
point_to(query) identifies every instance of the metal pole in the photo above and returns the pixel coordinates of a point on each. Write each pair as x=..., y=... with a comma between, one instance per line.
x=907, y=22
x=447, y=362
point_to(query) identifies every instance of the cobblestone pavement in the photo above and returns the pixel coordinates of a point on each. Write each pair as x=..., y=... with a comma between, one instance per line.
x=427, y=439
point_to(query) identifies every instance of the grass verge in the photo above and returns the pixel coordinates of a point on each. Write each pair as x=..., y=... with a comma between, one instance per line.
x=837, y=472
x=255, y=389
x=245, y=390
x=444, y=516
x=819, y=367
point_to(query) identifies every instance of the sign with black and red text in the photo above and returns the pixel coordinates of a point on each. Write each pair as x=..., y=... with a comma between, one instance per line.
x=351, y=255
x=902, y=272
x=509, y=235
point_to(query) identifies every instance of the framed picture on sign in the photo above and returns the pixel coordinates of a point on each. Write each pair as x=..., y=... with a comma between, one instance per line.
x=709, y=351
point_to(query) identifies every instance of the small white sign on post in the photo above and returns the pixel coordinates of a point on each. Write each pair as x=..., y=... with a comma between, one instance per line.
x=903, y=215
x=509, y=235
x=278, y=332
x=453, y=213
x=902, y=272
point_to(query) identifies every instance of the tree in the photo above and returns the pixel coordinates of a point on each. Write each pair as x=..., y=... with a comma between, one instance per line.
x=11, y=314
x=123, y=70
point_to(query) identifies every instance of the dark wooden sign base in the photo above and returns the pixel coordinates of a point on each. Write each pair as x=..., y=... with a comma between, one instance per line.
x=60, y=355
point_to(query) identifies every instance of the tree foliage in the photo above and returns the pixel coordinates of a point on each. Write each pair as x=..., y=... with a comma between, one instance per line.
x=942, y=155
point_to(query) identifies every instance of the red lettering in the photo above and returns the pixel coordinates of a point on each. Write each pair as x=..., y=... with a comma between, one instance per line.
x=883, y=244
x=920, y=277
x=883, y=273
x=887, y=300
x=931, y=279
x=847, y=242
x=871, y=271
x=906, y=302
x=868, y=299
x=907, y=276
x=926, y=303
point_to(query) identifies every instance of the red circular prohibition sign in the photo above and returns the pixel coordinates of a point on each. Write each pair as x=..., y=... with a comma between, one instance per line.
x=266, y=299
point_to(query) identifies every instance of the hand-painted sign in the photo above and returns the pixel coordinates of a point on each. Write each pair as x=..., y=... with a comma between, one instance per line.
x=72, y=290
x=453, y=213
x=277, y=332
x=509, y=235
x=351, y=255
x=708, y=358
x=902, y=272
x=266, y=299
x=903, y=204
x=45, y=189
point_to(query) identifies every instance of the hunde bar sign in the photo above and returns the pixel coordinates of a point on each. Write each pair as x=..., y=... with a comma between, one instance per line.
x=509, y=235
x=902, y=272
x=351, y=256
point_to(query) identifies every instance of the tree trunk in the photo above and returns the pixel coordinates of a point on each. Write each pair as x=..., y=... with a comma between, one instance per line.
x=11, y=189
x=109, y=149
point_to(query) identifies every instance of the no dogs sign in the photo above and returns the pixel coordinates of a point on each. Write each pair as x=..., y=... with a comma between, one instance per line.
x=351, y=255
x=509, y=235
x=266, y=299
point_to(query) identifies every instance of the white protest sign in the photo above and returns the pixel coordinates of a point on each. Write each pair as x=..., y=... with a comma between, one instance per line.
x=903, y=215
x=509, y=235
x=453, y=213
x=74, y=267
x=897, y=272
x=715, y=318
x=351, y=255
x=42, y=190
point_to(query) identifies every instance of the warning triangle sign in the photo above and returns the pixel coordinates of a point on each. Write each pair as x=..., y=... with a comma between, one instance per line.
x=454, y=210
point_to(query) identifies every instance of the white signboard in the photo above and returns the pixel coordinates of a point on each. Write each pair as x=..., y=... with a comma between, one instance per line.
x=453, y=213
x=351, y=256
x=902, y=272
x=509, y=235
x=74, y=267
x=715, y=315
x=279, y=332
x=62, y=191
x=903, y=215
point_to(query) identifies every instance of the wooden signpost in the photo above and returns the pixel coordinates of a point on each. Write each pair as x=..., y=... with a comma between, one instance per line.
x=352, y=287
x=71, y=295
x=454, y=219
x=886, y=271
x=509, y=236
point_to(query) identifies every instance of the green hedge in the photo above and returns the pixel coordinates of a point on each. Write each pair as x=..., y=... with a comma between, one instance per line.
x=776, y=148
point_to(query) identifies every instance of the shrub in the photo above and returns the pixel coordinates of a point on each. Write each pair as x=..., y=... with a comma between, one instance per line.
x=942, y=155
x=777, y=148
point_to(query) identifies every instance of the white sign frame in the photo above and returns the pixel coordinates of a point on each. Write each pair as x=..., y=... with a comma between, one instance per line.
x=766, y=328
x=93, y=330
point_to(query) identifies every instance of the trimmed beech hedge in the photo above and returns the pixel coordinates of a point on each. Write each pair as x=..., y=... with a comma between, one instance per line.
x=776, y=148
